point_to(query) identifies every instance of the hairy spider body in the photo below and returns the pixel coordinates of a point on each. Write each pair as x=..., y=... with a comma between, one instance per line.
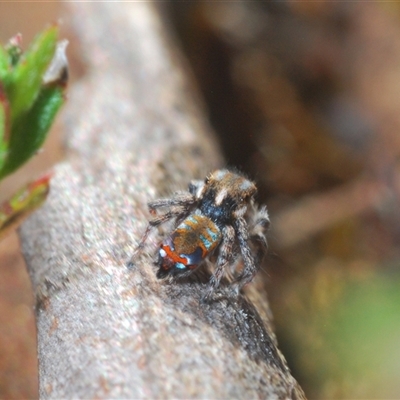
x=215, y=215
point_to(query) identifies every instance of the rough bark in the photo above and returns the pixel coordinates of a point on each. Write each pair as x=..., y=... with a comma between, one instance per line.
x=135, y=131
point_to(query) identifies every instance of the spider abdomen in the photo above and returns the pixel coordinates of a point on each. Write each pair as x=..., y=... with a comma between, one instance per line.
x=189, y=244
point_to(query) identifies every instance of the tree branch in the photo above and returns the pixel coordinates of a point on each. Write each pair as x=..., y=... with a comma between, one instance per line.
x=135, y=131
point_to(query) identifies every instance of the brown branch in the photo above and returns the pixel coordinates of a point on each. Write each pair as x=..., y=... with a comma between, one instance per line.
x=317, y=213
x=134, y=132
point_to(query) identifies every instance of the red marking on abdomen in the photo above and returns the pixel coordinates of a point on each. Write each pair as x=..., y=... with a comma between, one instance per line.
x=172, y=255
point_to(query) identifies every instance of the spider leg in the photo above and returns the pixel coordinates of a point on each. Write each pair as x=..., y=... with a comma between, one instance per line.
x=153, y=223
x=224, y=259
x=250, y=266
x=258, y=231
x=183, y=199
x=183, y=216
x=180, y=199
x=196, y=187
x=261, y=219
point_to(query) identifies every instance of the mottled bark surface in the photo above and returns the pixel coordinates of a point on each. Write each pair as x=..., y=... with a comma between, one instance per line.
x=134, y=132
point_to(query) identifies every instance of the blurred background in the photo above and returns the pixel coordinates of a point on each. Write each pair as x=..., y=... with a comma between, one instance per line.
x=305, y=98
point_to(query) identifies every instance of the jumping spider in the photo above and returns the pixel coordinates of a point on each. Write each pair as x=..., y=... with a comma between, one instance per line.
x=215, y=214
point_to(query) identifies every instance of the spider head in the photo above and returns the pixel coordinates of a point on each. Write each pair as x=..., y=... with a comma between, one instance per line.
x=226, y=196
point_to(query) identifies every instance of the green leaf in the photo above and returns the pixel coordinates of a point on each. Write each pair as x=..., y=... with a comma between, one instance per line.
x=4, y=125
x=2, y=134
x=3, y=118
x=26, y=79
x=14, y=49
x=22, y=203
x=29, y=131
x=4, y=63
x=3, y=154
